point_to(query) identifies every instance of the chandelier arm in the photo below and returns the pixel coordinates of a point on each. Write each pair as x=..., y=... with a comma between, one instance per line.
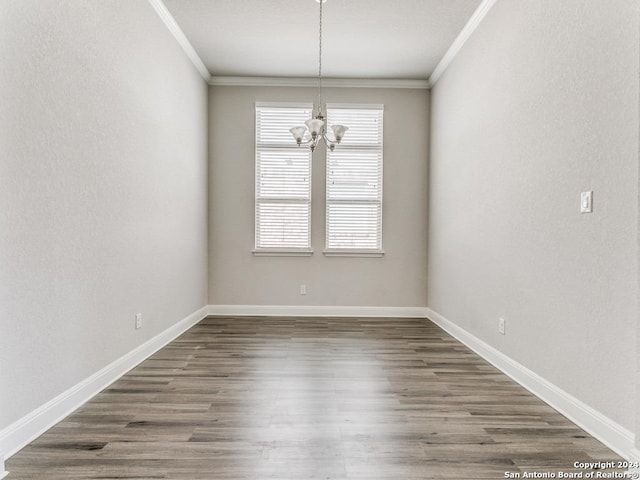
x=314, y=142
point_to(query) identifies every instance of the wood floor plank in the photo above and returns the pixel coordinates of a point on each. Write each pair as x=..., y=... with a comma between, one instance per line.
x=310, y=398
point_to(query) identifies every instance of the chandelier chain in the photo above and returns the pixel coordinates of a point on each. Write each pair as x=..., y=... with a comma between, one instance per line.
x=320, y=62
x=316, y=129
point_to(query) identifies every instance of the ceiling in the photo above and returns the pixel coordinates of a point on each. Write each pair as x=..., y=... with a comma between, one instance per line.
x=379, y=39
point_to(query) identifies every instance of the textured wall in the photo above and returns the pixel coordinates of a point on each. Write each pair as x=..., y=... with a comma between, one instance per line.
x=102, y=190
x=239, y=278
x=541, y=104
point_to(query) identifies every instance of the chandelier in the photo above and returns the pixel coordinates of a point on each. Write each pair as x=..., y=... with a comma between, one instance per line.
x=316, y=128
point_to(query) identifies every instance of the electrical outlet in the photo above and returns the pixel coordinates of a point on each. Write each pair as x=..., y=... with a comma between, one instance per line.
x=138, y=321
x=303, y=289
x=501, y=323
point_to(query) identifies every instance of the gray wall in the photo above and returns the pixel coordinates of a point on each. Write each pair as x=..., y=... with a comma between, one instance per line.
x=541, y=104
x=102, y=190
x=238, y=278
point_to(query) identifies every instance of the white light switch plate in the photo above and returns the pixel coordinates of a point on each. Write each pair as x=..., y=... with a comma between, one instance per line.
x=586, y=202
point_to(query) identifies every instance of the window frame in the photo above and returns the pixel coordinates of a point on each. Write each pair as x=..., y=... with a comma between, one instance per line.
x=378, y=251
x=286, y=250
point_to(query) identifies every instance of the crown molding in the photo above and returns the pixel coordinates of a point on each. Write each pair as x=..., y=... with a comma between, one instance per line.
x=222, y=81
x=180, y=37
x=446, y=60
x=460, y=40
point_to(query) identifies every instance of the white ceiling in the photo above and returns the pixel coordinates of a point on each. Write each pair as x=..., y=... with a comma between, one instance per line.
x=385, y=39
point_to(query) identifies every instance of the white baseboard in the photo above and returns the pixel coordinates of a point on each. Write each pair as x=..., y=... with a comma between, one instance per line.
x=317, y=311
x=635, y=459
x=613, y=435
x=3, y=472
x=25, y=430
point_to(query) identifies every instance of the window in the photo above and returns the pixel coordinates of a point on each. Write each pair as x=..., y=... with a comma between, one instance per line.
x=283, y=182
x=354, y=182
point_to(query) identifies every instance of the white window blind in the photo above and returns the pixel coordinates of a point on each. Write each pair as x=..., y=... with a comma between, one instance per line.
x=283, y=180
x=354, y=181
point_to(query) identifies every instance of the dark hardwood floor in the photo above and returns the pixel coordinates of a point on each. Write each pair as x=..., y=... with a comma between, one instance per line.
x=298, y=398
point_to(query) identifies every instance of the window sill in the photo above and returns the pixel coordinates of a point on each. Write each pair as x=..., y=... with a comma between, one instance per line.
x=354, y=253
x=282, y=253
